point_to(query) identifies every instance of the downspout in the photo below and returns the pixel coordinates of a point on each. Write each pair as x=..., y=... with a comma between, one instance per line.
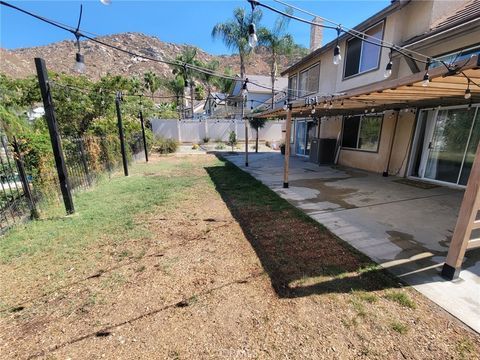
x=385, y=173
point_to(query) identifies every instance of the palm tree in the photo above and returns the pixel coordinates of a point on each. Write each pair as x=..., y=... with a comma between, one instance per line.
x=234, y=33
x=257, y=124
x=187, y=57
x=177, y=87
x=209, y=78
x=152, y=82
x=278, y=42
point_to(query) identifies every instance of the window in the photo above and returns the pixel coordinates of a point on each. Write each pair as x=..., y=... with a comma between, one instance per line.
x=309, y=81
x=292, y=87
x=362, y=132
x=455, y=56
x=361, y=55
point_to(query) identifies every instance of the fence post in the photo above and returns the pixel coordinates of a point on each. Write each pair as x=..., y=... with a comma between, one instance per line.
x=143, y=135
x=23, y=178
x=120, y=133
x=54, y=135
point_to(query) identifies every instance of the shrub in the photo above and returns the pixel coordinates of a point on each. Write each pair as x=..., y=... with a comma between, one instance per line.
x=220, y=146
x=166, y=146
x=195, y=147
x=232, y=139
x=206, y=139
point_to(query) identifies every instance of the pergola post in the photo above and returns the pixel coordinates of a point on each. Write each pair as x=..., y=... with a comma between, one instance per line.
x=288, y=128
x=466, y=223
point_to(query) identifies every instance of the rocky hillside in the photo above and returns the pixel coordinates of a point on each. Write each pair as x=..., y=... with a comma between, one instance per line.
x=101, y=60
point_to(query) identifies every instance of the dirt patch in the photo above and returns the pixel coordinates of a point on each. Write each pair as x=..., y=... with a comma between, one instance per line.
x=226, y=271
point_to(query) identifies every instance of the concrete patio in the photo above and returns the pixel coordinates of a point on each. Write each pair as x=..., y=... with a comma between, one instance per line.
x=405, y=228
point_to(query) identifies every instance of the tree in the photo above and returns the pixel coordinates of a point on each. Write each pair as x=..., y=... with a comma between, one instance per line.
x=187, y=57
x=151, y=82
x=279, y=43
x=257, y=124
x=232, y=139
x=234, y=33
x=177, y=87
x=209, y=78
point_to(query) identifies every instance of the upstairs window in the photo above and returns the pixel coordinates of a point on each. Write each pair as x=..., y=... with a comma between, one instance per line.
x=362, y=132
x=309, y=81
x=363, y=56
x=292, y=87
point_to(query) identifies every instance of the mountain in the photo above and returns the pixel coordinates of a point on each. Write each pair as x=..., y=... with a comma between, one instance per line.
x=101, y=60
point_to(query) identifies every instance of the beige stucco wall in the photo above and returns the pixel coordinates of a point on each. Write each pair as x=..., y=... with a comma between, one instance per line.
x=377, y=161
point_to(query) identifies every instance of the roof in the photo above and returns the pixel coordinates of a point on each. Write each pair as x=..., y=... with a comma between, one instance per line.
x=395, y=5
x=445, y=88
x=260, y=84
x=465, y=13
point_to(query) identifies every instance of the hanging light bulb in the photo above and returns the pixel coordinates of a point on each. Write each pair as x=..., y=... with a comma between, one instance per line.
x=468, y=93
x=330, y=106
x=336, y=55
x=285, y=105
x=325, y=105
x=426, y=80
x=186, y=83
x=313, y=110
x=252, y=36
x=388, y=70
x=79, y=63
x=244, y=89
x=106, y=2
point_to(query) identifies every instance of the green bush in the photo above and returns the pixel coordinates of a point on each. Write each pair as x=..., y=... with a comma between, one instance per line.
x=166, y=146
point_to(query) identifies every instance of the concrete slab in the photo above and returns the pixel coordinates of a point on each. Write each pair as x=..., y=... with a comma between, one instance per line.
x=404, y=228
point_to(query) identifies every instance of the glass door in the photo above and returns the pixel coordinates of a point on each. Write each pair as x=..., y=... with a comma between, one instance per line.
x=300, y=144
x=310, y=135
x=450, y=154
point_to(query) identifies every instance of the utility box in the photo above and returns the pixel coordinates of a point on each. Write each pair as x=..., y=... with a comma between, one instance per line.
x=326, y=151
x=314, y=150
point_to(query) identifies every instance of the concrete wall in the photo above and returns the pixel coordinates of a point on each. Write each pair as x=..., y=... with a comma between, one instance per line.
x=193, y=131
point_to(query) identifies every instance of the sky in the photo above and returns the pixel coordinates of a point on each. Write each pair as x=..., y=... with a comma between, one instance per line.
x=184, y=22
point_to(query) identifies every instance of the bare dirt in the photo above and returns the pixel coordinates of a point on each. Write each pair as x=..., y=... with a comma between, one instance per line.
x=222, y=280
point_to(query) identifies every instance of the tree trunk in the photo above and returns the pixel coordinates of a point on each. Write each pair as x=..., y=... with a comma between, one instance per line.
x=256, y=142
x=273, y=73
x=191, y=97
x=242, y=66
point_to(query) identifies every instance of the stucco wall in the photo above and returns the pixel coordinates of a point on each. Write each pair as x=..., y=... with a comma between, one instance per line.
x=377, y=161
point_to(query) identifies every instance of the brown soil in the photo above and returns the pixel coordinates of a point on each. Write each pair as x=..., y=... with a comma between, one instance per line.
x=211, y=285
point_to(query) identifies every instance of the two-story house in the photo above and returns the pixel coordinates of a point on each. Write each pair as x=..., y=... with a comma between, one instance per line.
x=435, y=142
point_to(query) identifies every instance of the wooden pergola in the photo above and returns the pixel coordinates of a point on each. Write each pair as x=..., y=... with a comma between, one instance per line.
x=447, y=87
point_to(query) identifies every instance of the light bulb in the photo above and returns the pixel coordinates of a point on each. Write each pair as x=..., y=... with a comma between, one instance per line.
x=313, y=111
x=388, y=70
x=468, y=94
x=330, y=106
x=336, y=55
x=244, y=93
x=252, y=36
x=106, y=2
x=426, y=80
x=79, y=63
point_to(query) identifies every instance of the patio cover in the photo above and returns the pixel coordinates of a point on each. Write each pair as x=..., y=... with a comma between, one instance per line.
x=446, y=87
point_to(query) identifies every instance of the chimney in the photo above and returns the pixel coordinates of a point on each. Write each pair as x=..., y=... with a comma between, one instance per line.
x=316, y=35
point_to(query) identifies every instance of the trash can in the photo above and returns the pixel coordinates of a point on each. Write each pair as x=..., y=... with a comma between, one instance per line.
x=314, y=150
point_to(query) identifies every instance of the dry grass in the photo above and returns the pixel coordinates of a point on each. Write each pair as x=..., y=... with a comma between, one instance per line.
x=208, y=265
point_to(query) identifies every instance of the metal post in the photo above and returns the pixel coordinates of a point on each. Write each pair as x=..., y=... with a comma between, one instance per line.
x=246, y=130
x=54, y=135
x=120, y=133
x=23, y=178
x=143, y=134
x=287, y=145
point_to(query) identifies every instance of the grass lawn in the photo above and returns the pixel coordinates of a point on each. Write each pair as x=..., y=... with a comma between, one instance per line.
x=191, y=258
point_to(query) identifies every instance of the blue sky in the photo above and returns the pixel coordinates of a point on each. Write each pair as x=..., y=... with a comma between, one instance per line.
x=188, y=22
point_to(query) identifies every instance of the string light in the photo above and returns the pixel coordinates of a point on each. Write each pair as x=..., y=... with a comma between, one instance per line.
x=336, y=51
x=106, y=2
x=388, y=68
x=244, y=89
x=468, y=94
x=252, y=36
x=79, y=59
x=426, y=77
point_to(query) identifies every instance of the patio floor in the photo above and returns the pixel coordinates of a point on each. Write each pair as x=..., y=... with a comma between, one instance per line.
x=403, y=227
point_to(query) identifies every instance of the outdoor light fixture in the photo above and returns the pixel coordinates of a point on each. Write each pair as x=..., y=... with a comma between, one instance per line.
x=106, y=2
x=244, y=89
x=336, y=55
x=336, y=51
x=468, y=93
x=388, y=70
x=252, y=36
x=426, y=80
x=313, y=110
x=426, y=77
x=79, y=63
x=285, y=105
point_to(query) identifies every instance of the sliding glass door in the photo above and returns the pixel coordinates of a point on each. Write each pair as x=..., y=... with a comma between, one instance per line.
x=451, y=145
x=305, y=132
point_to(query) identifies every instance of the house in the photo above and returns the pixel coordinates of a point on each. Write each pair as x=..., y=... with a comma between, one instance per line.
x=215, y=105
x=405, y=141
x=259, y=93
